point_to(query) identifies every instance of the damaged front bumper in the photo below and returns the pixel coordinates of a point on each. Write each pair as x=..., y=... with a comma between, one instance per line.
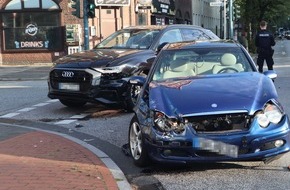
x=91, y=87
x=249, y=145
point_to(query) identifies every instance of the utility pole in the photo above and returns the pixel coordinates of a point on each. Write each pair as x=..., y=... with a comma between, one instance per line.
x=86, y=25
x=225, y=19
x=231, y=25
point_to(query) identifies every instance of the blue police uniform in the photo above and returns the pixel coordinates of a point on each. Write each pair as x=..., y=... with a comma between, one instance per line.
x=264, y=42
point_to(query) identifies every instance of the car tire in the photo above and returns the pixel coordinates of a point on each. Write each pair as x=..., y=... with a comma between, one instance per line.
x=136, y=144
x=131, y=96
x=72, y=103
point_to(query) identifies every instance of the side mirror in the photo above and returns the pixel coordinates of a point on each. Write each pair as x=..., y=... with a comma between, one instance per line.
x=159, y=48
x=137, y=80
x=271, y=74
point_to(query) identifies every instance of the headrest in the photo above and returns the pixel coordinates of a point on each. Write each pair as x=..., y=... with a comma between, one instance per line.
x=228, y=59
x=178, y=65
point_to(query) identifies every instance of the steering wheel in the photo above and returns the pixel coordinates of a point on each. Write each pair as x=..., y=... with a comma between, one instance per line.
x=227, y=69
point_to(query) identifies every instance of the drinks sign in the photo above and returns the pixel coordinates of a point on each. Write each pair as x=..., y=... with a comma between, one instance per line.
x=31, y=29
x=32, y=39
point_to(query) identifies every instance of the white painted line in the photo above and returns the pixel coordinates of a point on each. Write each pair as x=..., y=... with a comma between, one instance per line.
x=41, y=104
x=281, y=66
x=6, y=87
x=65, y=122
x=26, y=109
x=81, y=116
x=51, y=101
x=9, y=115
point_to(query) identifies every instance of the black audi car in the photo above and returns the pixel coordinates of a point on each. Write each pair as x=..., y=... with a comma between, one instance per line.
x=102, y=73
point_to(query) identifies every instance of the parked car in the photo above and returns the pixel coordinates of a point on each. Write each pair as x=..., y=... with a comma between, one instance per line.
x=102, y=74
x=287, y=35
x=206, y=102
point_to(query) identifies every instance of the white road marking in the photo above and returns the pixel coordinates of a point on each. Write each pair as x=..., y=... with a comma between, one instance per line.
x=8, y=87
x=51, y=101
x=72, y=119
x=26, y=109
x=41, y=104
x=62, y=122
x=81, y=116
x=65, y=122
x=9, y=115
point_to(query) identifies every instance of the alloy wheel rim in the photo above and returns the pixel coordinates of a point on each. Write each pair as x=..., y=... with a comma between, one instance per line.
x=135, y=141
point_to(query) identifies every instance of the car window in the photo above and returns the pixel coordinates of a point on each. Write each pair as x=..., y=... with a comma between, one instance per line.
x=171, y=36
x=200, y=61
x=130, y=39
x=193, y=34
x=141, y=40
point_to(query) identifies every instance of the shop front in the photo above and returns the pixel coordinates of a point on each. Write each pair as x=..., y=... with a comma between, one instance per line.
x=155, y=12
x=163, y=12
x=31, y=31
x=41, y=31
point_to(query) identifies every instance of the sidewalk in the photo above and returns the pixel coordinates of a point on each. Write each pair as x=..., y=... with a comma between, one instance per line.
x=33, y=160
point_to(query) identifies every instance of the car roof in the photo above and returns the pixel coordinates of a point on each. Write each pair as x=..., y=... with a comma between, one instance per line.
x=202, y=44
x=164, y=26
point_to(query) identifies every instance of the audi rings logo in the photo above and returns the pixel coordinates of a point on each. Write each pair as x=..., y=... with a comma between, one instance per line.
x=67, y=74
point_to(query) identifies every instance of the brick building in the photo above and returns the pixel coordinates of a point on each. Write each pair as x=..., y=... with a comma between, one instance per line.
x=40, y=31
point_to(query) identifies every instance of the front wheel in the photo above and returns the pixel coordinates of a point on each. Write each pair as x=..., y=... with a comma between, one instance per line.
x=72, y=103
x=136, y=145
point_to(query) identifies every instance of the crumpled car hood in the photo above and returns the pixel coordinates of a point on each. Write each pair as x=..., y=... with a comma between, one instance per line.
x=208, y=94
x=95, y=58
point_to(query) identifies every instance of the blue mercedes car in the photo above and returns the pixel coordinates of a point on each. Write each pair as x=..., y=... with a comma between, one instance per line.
x=206, y=102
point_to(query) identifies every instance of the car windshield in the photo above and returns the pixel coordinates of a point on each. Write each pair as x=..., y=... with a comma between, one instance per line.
x=193, y=62
x=129, y=39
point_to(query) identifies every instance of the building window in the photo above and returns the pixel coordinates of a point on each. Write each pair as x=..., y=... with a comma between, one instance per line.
x=29, y=4
x=26, y=27
x=142, y=19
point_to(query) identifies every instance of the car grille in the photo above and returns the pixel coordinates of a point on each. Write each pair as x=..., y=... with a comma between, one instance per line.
x=78, y=77
x=220, y=123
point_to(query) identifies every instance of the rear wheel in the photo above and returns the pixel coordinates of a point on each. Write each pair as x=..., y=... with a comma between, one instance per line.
x=72, y=103
x=136, y=145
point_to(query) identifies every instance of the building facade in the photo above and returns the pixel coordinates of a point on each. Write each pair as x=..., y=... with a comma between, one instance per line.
x=40, y=31
x=205, y=15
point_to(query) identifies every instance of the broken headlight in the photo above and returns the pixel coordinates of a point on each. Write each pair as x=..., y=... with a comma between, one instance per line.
x=96, y=79
x=270, y=114
x=166, y=124
x=112, y=73
x=116, y=69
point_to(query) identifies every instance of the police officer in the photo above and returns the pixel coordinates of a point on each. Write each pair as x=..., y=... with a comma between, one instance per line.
x=264, y=42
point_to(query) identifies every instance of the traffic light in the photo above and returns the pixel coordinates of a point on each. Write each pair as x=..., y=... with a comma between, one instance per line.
x=228, y=12
x=91, y=9
x=237, y=12
x=77, y=6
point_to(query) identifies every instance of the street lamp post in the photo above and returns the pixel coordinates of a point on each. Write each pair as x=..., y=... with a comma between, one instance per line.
x=225, y=19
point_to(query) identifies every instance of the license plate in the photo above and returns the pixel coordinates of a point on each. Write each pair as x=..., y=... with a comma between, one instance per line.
x=69, y=86
x=217, y=147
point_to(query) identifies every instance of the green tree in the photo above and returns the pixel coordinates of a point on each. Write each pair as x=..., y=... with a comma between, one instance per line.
x=275, y=12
